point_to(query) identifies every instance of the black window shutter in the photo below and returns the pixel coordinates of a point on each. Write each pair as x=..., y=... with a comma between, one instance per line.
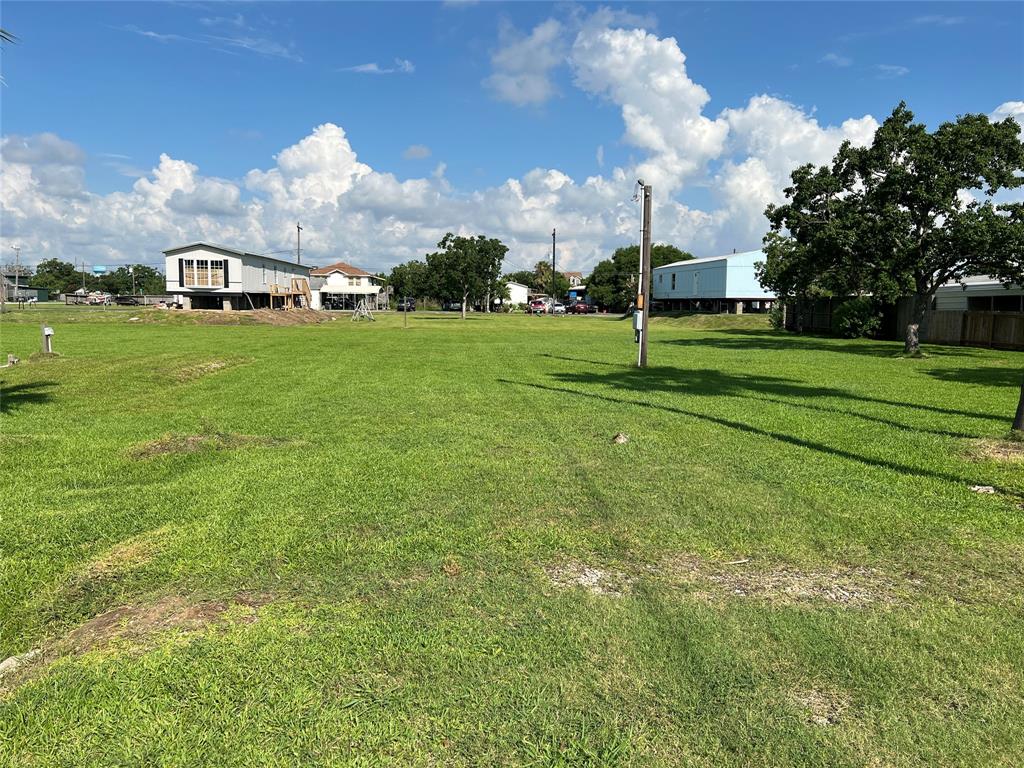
x=181, y=273
x=226, y=273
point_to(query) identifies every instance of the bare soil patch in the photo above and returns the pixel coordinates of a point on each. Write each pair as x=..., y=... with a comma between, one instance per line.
x=172, y=444
x=1010, y=451
x=822, y=707
x=850, y=586
x=598, y=581
x=183, y=374
x=136, y=625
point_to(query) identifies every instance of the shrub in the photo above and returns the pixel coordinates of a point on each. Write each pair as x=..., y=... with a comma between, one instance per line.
x=857, y=317
x=777, y=316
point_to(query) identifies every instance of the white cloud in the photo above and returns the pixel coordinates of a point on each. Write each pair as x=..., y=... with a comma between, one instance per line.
x=1007, y=109
x=401, y=66
x=523, y=64
x=416, y=152
x=890, y=71
x=661, y=106
x=836, y=60
x=599, y=156
x=354, y=212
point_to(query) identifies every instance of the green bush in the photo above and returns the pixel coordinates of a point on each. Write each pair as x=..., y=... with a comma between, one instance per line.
x=777, y=316
x=856, y=318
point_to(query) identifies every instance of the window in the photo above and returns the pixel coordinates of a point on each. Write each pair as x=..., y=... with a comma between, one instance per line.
x=216, y=274
x=659, y=278
x=189, y=273
x=353, y=281
x=202, y=272
x=1006, y=303
x=264, y=274
x=696, y=283
x=673, y=281
x=979, y=303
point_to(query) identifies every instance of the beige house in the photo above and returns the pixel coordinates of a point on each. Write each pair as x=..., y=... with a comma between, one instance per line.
x=342, y=286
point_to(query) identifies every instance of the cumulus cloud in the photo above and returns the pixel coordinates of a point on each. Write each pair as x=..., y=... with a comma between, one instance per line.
x=352, y=211
x=1007, y=109
x=416, y=152
x=523, y=64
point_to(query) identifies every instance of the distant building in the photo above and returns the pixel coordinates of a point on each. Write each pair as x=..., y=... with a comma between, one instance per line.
x=19, y=288
x=575, y=278
x=979, y=293
x=208, y=276
x=343, y=286
x=714, y=284
x=518, y=293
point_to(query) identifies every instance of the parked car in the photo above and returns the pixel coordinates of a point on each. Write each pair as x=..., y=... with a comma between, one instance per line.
x=558, y=308
x=127, y=301
x=581, y=308
x=406, y=305
x=538, y=307
x=452, y=306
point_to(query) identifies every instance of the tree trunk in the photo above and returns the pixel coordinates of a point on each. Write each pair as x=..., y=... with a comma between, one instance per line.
x=487, y=306
x=1018, y=420
x=464, y=298
x=912, y=345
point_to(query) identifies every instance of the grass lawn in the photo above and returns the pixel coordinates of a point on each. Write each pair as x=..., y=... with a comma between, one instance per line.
x=341, y=543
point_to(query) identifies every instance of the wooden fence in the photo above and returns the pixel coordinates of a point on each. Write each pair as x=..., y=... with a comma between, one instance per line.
x=1001, y=330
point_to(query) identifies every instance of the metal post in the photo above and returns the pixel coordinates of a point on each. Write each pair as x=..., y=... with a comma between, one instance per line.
x=298, y=243
x=17, y=269
x=643, y=303
x=553, y=283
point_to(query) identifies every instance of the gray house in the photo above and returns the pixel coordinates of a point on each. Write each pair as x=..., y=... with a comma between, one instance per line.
x=209, y=276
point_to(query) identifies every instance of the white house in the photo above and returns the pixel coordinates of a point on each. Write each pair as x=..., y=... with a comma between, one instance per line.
x=517, y=293
x=209, y=276
x=716, y=283
x=979, y=293
x=342, y=286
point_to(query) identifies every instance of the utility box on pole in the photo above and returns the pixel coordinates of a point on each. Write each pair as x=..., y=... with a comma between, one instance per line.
x=643, y=299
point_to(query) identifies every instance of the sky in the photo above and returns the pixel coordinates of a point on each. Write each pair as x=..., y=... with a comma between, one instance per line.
x=130, y=128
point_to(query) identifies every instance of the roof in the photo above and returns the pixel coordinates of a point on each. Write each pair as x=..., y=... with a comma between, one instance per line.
x=513, y=282
x=344, y=268
x=573, y=274
x=228, y=249
x=709, y=259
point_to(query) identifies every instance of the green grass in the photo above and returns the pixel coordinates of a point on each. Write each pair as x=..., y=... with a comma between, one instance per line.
x=401, y=503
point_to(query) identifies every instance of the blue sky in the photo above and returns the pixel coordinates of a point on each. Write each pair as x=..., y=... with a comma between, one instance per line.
x=416, y=90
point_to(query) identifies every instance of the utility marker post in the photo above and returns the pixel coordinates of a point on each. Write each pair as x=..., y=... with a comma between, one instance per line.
x=643, y=299
x=553, y=283
x=298, y=243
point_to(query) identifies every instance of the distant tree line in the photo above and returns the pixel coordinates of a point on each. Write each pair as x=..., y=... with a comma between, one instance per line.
x=63, y=277
x=464, y=270
x=613, y=283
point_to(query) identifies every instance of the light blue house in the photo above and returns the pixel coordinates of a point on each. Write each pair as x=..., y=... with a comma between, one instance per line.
x=713, y=284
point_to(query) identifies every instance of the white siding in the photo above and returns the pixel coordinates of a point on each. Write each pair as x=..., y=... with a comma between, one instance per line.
x=248, y=273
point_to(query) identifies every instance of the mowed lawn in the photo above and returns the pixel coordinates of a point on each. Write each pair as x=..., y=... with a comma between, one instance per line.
x=341, y=543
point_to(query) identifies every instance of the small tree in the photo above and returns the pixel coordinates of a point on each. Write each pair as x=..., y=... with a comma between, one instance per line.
x=613, y=283
x=465, y=267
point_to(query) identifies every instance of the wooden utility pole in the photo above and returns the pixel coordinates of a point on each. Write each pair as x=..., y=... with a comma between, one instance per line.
x=553, y=282
x=298, y=243
x=643, y=299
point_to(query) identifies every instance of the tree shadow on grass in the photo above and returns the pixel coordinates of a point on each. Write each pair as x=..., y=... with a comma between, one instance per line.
x=986, y=377
x=19, y=395
x=739, y=426
x=708, y=382
x=747, y=339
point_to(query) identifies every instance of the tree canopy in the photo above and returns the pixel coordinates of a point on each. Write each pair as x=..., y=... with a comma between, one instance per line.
x=466, y=269
x=901, y=216
x=613, y=283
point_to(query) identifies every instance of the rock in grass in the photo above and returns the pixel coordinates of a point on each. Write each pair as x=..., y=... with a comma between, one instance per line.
x=14, y=663
x=620, y=438
x=983, y=489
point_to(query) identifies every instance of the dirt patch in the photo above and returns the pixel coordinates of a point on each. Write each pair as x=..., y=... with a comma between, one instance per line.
x=171, y=444
x=851, y=586
x=1009, y=451
x=822, y=707
x=451, y=567
x=598, y=581
x=136, y=623
x=183, y=374
x=113, y=564
x=289, y=317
